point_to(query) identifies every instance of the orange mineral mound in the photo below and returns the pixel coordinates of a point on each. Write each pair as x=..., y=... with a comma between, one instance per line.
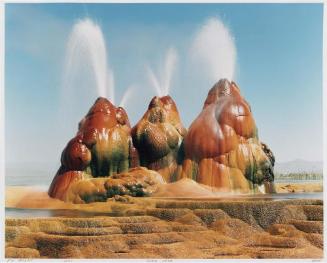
x=185, y=188
x=158, y=137
x=102, y=146
x=222, y=148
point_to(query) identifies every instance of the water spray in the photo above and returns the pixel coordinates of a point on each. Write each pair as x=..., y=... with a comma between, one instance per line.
x=86, y=47
x=126, y=96
x=213, y=50
x=162, y=84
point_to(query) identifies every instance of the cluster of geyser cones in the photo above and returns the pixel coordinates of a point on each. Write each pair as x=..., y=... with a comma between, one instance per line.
x=220, y=149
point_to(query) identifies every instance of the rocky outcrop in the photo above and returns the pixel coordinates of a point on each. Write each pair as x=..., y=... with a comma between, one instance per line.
x=158, y=138
x=136, y=182
x=102, y=146
x=222, y=148
x=176, y=229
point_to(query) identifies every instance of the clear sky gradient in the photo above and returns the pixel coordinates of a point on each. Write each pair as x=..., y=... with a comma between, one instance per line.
x=279, y=70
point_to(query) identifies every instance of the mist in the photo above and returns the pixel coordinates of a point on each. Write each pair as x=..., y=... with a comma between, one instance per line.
x=213, y=50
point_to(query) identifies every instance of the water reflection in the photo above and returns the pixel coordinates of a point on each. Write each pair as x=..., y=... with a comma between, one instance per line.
x=28, y=213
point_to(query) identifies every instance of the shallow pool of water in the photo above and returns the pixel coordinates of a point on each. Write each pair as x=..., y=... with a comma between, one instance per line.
x=28, y=213
x=256, y=197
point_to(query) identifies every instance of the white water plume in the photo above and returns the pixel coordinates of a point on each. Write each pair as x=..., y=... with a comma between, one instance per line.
x=86, y=47
x=126, y=96
x=154, y=81
x=170, y=64
x=162, y=84
x=214, y=51
x=111, y=86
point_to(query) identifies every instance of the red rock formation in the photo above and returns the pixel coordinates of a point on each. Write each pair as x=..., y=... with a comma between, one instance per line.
x=102, y=146
x=158, y=137
x=222, y=148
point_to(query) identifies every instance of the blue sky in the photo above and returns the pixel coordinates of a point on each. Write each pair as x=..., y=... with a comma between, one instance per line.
x=279, y=70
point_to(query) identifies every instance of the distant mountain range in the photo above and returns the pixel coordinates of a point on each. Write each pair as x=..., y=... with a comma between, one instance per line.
x=299, y=166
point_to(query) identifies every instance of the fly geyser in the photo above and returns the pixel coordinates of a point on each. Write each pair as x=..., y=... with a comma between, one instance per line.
x=221, y=149
x=102, y=147
x=158, y=136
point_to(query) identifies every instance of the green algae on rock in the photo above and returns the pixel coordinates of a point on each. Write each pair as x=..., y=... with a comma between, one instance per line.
x=136, y=182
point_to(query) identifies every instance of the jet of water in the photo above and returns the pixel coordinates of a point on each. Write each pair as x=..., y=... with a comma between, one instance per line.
x=126, y=96
x=111, y=86
x=162, y=85
x=86, y=46
x=154, y=81
x=170, y=64
x=214, y=50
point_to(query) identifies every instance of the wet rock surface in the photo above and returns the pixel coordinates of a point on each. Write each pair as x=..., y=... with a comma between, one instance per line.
x=136, y=182
x=158, y=137
x=222, y=148
x=102, y=147
x=176, y=229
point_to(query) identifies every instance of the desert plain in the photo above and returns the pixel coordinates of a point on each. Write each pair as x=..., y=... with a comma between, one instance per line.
x=206, y=227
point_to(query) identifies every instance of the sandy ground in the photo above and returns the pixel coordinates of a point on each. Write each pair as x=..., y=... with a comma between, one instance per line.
x=31, y=197
x=203, y=227
x=175, y=229
x=299, y=187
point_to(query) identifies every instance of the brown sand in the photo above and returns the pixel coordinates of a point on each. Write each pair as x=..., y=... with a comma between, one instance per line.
x=184, y=188
x=30, y=197
x=176, y=229
x=298, y=187
x=203, y=228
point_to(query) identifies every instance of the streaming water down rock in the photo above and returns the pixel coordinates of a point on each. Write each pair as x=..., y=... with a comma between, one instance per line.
x=102, y=147
x=158, y=137
x=222, y=147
